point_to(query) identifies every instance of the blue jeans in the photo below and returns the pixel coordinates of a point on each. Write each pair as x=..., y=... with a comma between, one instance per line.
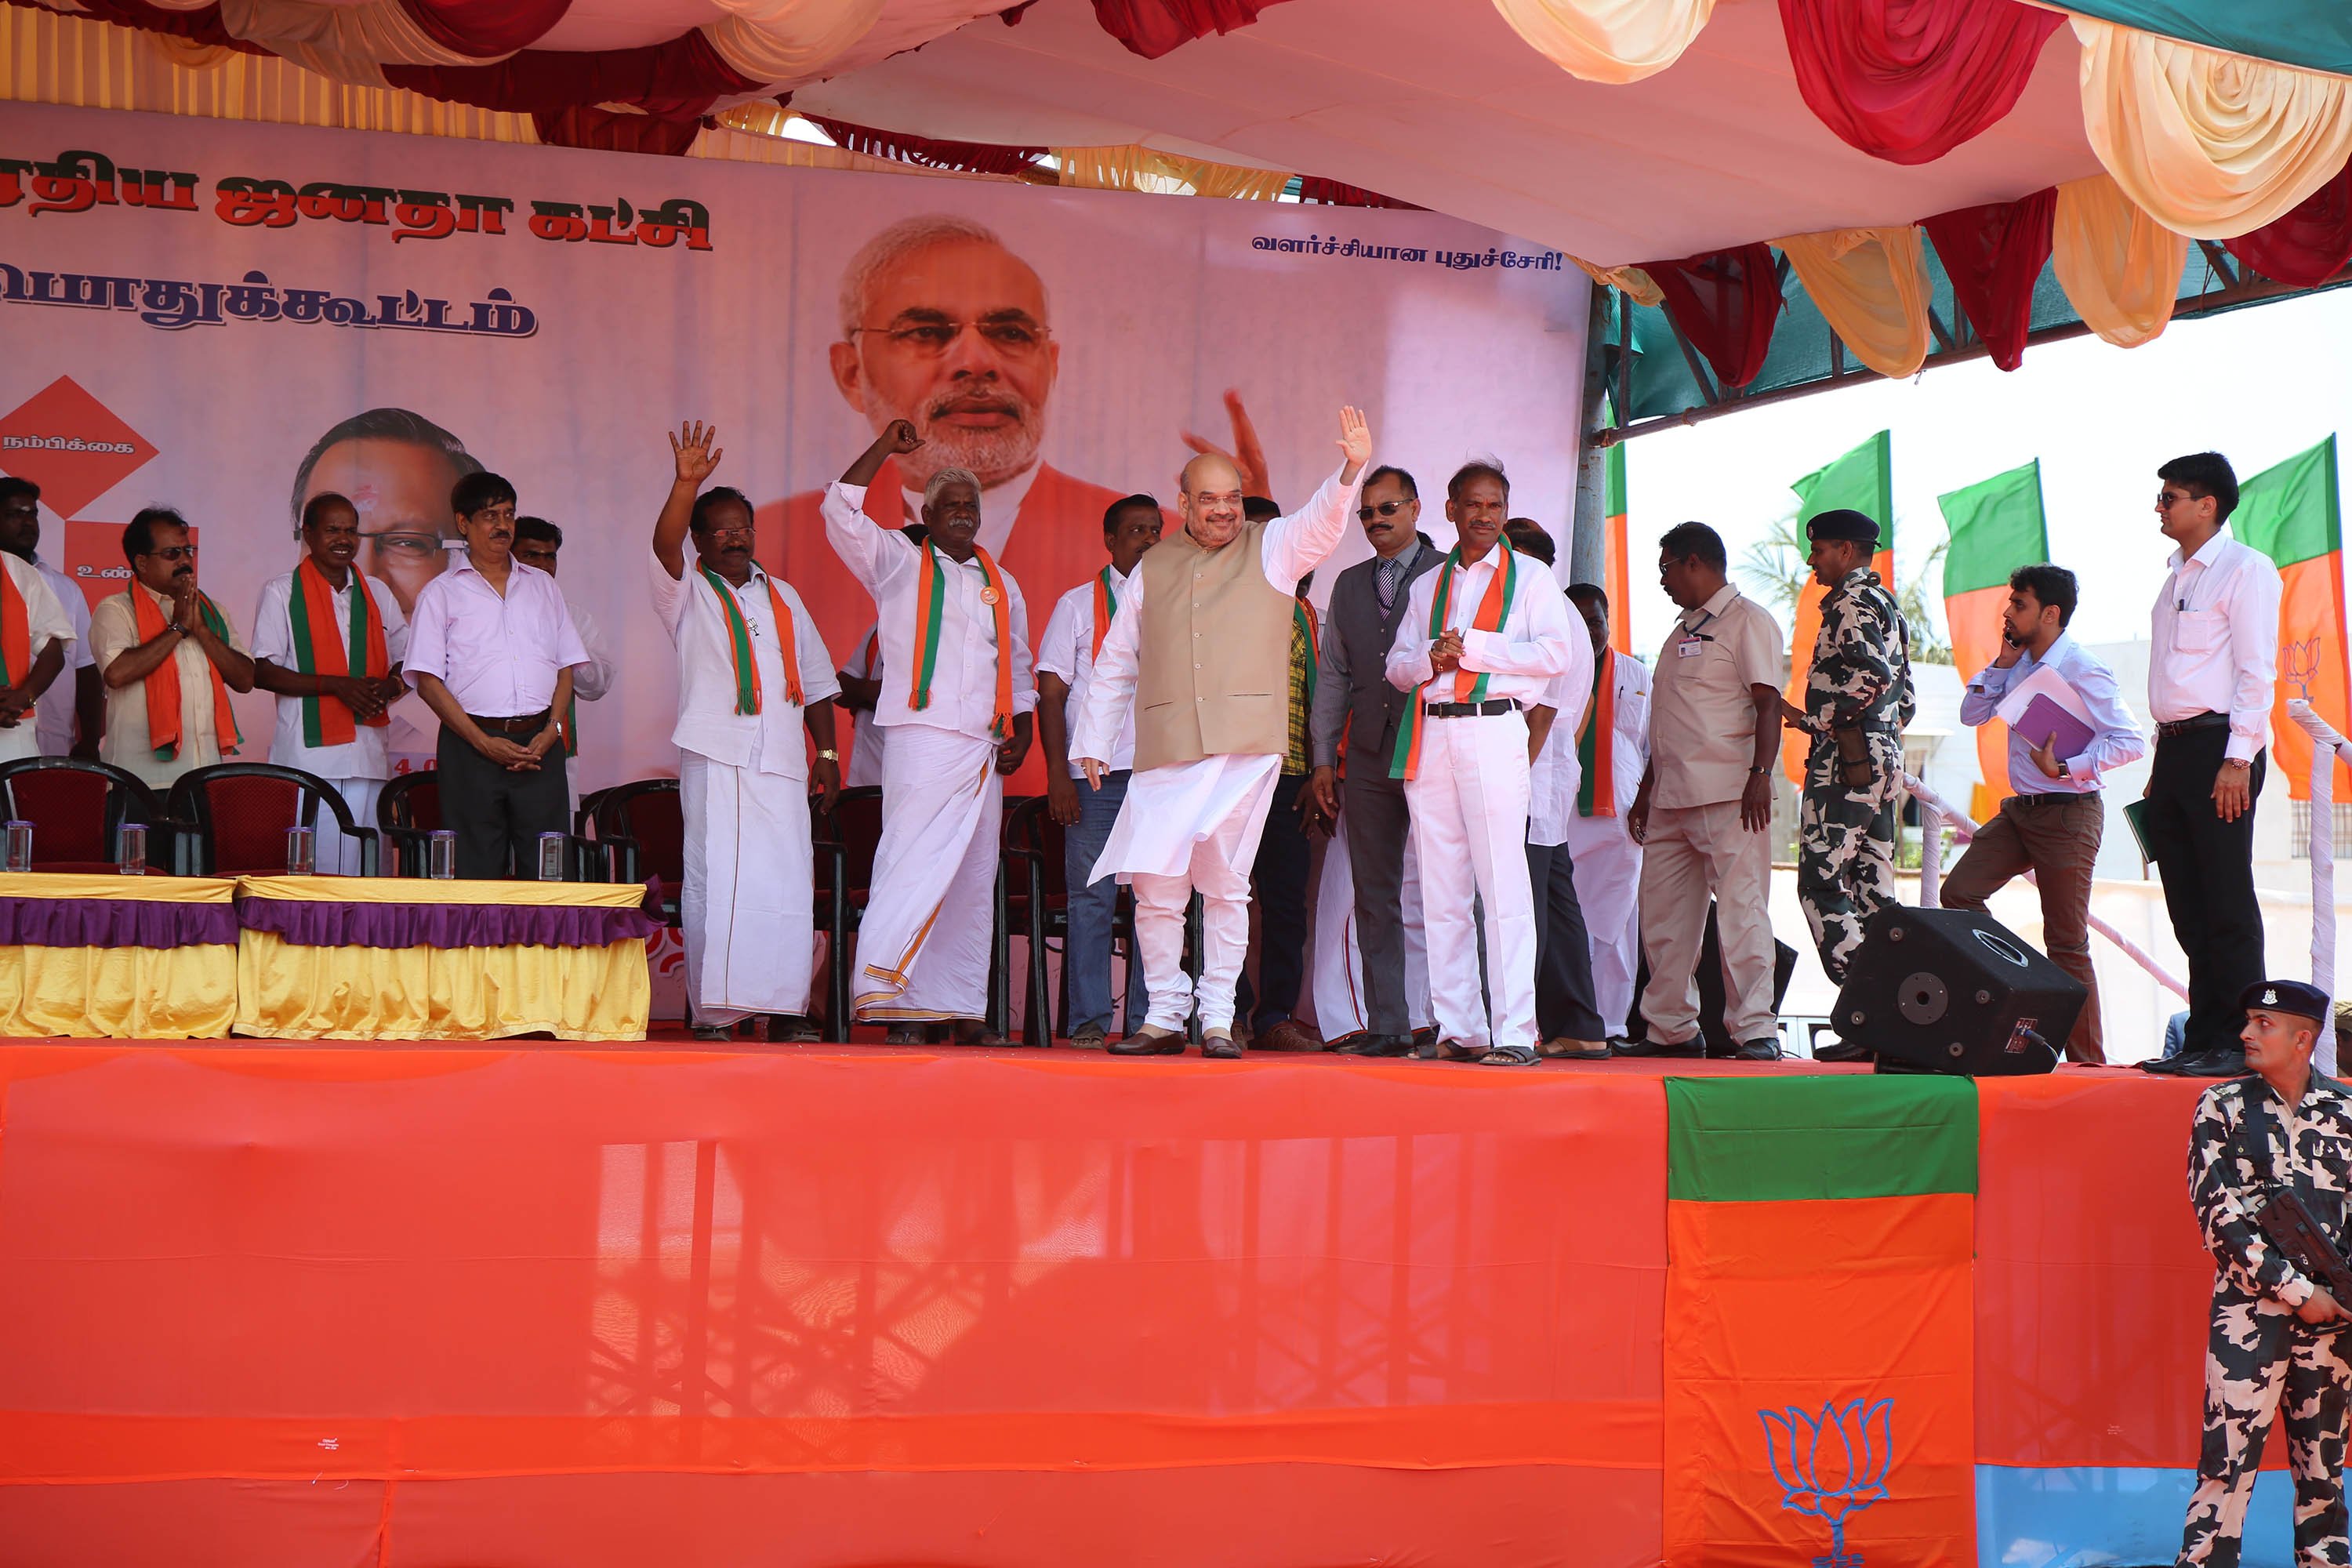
x=1086, y=958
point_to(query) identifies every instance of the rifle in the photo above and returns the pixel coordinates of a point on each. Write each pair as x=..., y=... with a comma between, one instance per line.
x=2297, y=1235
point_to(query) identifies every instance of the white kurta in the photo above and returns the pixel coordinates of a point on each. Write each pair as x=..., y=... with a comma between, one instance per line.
x=1194, y=827
x=359, y=767
x=58, y=706
x=46, y=621
x=1470, y=792
x=1608, y=861
x=923, y=944
x=1339, y=963
x=749, y=899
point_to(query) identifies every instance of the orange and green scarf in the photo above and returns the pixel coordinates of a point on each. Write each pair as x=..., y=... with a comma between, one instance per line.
x=319, y=649
x=1596, y=743
x=739, y=643
x=1468, y=687
x=930, y=611
x=1106, y=607
x=15, y=632
x=162, y=683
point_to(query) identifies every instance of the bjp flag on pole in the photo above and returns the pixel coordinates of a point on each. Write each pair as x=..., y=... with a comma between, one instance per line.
x=1863, y=480
x=1616, y=573
x=1997, y=526
x=2290, y=514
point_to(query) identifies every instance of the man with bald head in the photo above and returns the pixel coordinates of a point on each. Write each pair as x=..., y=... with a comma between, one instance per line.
x=958, y=701
x=1201, y=648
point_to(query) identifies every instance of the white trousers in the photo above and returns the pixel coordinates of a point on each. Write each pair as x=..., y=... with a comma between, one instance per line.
x=922, y=948
x=1470, y=828
x=335, y=853
x=1609, y=886
x=1338, y=964
x=750, y=892
x=1185, y=828
x=1693, y=851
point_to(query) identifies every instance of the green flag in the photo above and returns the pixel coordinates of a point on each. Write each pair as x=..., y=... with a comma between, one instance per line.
x=2290, y=513
x=1863, y=481
x=1997, y=526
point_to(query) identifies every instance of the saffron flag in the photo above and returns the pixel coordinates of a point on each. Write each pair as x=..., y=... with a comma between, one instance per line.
x=2290, y=514
x=1864, y=479
x=1616, y=571
x=1819, y=1321
x=1997, y=526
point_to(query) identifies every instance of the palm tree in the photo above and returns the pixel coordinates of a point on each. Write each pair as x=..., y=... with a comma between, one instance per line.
x=1773, y=569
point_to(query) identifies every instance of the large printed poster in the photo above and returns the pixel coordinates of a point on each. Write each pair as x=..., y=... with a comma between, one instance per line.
x=230, y=317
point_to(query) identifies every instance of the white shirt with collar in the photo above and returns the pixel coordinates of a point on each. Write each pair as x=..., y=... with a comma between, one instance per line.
x=964, y=679
x=1558, y=774
x=593, y=679
x=2216, y=634
x=365, y=755
x=1521, y=658
x=498, y=654
x=2115, y=739
x=46, y=621
x=1067, y=649
x=708, y=723
x=54, y=714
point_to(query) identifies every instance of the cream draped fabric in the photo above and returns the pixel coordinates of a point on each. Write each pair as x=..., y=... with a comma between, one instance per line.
x=1871, y=286
x=1134, y=168
x=789, y=41
x=1637, y=284
x=2211, y=144
x=343, y=42
x=1614, y=41
x=2120, y=268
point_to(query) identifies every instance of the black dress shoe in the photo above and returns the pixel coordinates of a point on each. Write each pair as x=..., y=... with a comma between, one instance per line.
x=1843, y=1051
x=1693, y=1047
x=1764, y=1050
x=2224, y=1061
x=2167, y=1066
x=1219, y=1045
x=1371, y=1045
x=1149, y=1041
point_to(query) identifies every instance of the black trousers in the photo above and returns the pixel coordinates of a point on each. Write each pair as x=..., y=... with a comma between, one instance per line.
x=1279, y=876
x=496, y=815
x=2208, y=868
x=1564, y=995
x=1379, y=822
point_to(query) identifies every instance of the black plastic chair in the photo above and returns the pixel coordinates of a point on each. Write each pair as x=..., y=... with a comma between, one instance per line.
x=844, y=841
x=408, y=813
x=1040, y=906
x=238, y=813
x=642, y=826
x=76, y=807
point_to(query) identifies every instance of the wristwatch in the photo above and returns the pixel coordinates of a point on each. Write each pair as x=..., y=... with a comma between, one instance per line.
x=829, y=755
x=2063, y=771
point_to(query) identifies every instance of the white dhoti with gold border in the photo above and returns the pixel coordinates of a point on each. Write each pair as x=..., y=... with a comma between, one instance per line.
x=923, y=946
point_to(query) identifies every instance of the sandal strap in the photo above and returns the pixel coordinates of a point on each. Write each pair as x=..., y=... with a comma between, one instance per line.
x=1508, y=1057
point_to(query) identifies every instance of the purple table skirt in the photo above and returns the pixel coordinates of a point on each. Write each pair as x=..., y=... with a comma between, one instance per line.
x=114, y=923
x=307, y=924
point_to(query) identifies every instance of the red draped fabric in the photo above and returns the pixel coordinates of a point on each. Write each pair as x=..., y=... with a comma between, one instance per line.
x=1331, y=193
x=1725, y=304
x=972, y=157
x=676, y=80
x=604, y=131
x=485, y=27
x=1908, y=80
x=2309, y=245
x=1152, y=27
x=1993, y=254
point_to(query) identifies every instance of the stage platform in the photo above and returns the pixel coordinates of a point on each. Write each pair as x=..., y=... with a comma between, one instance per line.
x=537, y=1304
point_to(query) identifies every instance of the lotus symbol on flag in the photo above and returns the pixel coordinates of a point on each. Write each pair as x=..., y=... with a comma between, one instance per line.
x=2299, y=662
x=1832, y=1465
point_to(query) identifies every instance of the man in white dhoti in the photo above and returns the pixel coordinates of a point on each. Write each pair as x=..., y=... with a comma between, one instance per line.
x=1201, y=647
x=1482, y=639
x=1342, y=1012
x=1613, y=746
x=751, y=673
x=958, y=704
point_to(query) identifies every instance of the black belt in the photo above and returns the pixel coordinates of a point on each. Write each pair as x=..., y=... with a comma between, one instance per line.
x=1470, y=709
x=2054, y=797
x=2168, y=727
x=527, y=724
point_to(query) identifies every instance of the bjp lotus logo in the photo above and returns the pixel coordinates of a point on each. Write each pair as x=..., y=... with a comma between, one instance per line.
x=1831, y=1466
x=2299, y=664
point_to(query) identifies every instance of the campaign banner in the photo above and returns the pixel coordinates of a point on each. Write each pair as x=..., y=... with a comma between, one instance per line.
x=229, y=318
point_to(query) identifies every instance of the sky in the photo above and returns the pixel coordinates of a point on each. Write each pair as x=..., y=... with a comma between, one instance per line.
x=2257, y=386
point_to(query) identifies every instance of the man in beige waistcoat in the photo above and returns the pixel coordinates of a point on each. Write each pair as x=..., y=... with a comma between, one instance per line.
x=1201, y=647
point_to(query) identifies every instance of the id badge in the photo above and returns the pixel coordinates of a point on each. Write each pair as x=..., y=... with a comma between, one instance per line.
x=1689, y=647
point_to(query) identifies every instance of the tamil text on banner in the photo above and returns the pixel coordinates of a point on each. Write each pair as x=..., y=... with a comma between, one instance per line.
x=1997, y=526
x=2290, y=514
x=230, y=317
x=1862, y=480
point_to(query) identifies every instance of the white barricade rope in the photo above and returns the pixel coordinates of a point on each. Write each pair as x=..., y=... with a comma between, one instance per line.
x=2327, y=746
x=1933, y=811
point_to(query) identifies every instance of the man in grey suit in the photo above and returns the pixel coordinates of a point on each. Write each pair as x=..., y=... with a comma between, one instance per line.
x=1352, y=694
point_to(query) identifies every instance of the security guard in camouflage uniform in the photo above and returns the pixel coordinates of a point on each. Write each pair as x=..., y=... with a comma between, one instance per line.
x=1858, y=697
x=2276, y=1332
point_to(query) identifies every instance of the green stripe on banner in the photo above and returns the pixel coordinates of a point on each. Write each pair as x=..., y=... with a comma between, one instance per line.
x=1767, y=1140
x=1997, y=526
x=1615, y=469
x=2289, y=513
x=1862, y=480
x=2314, y=33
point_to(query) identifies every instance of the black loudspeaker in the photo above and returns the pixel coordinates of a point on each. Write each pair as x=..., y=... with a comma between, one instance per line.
x=1953, y=991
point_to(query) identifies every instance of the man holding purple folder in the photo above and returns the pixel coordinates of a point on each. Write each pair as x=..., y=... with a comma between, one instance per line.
x=2052, y=824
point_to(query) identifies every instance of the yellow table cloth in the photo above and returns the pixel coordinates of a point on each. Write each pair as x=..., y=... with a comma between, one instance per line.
x=395, y=958
x=113, y=957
